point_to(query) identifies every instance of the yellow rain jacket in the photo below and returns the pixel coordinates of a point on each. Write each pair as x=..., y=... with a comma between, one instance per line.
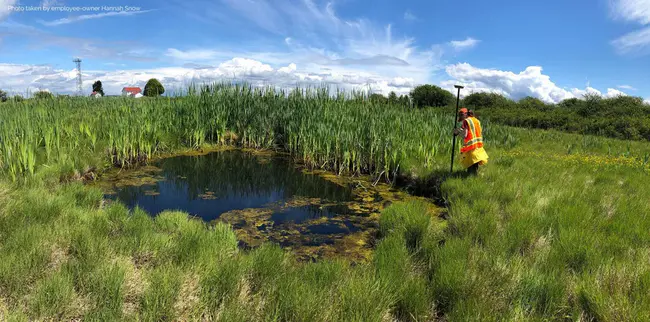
x=472, y=150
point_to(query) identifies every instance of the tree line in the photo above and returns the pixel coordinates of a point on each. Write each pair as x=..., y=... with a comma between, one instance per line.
x=151, y=89
x=622, y=117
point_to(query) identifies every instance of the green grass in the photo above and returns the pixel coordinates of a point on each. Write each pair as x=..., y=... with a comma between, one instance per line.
x=554, y=228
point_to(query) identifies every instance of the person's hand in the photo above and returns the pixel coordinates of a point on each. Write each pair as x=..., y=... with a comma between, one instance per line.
x=457, y=131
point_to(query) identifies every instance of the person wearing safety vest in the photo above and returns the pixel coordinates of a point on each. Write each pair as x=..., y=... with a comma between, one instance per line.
x=472, y=153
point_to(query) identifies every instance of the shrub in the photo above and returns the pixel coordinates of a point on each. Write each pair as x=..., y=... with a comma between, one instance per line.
x=153, y=88
x=43, y=95
x=431, y=95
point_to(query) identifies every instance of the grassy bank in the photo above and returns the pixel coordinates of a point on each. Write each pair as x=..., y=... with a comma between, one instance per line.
x=555, y=228
x=65, y=255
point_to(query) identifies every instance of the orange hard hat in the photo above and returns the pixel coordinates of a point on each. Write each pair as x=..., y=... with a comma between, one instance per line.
x=462, y=110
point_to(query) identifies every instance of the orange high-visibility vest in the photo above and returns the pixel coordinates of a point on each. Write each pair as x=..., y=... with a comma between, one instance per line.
x=473, y=139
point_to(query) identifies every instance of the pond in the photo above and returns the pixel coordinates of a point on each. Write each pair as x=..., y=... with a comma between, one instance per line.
x=265, y=197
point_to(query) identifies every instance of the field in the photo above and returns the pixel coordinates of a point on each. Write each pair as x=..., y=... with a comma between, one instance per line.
x=554, y=228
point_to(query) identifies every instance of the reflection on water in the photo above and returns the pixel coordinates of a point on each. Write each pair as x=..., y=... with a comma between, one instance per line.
x=264, y=198
x=209, y=185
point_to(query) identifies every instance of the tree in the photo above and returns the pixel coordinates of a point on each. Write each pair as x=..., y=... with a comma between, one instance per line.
x=569, y=103
x=97, y=87
x=3, y=96
x=43, y=95
x=153, y=88
x=18, y=98
x=392, y=98
x=378, y=98
x=484, y=99
x=404, y=100
x=431, y=95
x=530, y=102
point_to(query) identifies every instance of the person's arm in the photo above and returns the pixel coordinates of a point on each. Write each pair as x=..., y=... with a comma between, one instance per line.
x=462, y=131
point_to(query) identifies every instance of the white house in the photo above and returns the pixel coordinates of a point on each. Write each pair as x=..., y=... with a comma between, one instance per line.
x=131, y=91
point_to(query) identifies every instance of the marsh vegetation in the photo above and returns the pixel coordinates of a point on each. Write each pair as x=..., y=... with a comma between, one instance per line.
x=555, y=228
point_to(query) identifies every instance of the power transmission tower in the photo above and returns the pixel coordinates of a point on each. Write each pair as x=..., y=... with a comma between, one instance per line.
x=79, y=81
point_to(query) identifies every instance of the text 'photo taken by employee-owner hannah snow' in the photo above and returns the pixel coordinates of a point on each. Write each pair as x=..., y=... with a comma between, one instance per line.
x=73, y=9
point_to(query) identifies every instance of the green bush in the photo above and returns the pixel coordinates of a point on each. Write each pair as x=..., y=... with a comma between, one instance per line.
x=622, y=117
x=43, y=95
x=431, y=95
x=153, y=88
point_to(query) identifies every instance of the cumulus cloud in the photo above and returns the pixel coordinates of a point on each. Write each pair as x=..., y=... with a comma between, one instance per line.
x=530, y=82
x=314, y=37
x=637, y=11
x=611, y=92
x=30, y=78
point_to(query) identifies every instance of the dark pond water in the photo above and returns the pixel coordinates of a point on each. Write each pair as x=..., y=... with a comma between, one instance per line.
x=209, y=185
x=263, y=197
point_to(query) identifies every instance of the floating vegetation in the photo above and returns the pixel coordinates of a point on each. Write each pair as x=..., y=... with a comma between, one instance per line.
x=314, y=214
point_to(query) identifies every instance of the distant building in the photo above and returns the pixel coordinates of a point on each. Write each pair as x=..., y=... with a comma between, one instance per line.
x=131, y=91
x=96, y=94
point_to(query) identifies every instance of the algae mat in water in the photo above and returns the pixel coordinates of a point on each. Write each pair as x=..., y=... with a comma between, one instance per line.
x=265, y=197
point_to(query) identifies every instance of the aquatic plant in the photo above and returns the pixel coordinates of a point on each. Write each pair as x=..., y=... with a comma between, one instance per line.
x=344, y=132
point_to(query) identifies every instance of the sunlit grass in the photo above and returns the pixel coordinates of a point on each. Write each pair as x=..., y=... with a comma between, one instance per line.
x=554, y=228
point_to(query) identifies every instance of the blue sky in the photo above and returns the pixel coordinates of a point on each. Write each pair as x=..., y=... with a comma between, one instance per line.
x=548, y=49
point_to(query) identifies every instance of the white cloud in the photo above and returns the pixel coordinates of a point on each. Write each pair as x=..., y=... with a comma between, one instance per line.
x=315, y=37
x=5, y=8
x=289, y=69
x=409, y=16
x=637, y=11
x=51, y=3
x=633, y=42
x=64, y=21
x=627, y=87
x=530, y=82
x=191, y=55
x=464, y=44
x=631, y=10
x=611, y=92
x=81, y=47
x=587, y=91
x=30, y=78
